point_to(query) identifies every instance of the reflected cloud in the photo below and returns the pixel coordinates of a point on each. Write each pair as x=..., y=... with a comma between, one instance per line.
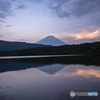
x=87, y=73
x=2, y=93
x=0, y=87
x=3, y=97
x=9, y=87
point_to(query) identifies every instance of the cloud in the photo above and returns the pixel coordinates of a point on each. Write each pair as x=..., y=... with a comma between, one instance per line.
x=5, y=5
x=56, y=7
x=60, y=8
x=72, y=40
x=83, y=35
x=79, y=37
x=59, y=12
x=21, y=7
x=78, y=25
x=8, y=25
x=2, y=15
x=78, y=8
x=5, y=8
x=22, y=40
x=87, y=35
x=37, y=1
x=2, y=21
x=83, y=7
x=1, y=35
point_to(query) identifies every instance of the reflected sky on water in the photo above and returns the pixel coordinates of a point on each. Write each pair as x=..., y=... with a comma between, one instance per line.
x=49, y=81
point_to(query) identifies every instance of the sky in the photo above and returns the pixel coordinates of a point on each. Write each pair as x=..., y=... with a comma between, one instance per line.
x=72, y=21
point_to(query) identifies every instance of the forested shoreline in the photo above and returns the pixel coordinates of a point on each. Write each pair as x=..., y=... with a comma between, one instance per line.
x=86, y=48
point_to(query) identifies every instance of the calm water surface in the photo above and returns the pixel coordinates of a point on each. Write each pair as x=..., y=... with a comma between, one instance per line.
x=49, y=78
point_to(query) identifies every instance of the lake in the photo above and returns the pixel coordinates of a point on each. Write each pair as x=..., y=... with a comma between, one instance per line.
x=49, y=78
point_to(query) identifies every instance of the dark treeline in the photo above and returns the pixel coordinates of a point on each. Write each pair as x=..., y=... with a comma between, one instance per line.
x=86, y=48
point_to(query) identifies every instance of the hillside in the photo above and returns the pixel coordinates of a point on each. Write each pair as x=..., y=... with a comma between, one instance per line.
x=11, y=46
x=86, y=48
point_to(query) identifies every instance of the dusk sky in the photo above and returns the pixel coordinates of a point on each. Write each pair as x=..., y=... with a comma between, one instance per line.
x=72, y=21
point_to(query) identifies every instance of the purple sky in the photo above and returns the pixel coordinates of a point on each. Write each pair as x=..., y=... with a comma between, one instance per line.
x=72, y=21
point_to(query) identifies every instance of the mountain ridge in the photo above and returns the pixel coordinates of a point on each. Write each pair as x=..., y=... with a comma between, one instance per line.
x=51, y=40
x=11, y=46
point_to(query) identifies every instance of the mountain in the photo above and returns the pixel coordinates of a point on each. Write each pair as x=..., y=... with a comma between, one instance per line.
x=10, y=46
x=51, y=40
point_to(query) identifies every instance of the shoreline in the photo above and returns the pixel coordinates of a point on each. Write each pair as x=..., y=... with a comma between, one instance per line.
x=38, y=56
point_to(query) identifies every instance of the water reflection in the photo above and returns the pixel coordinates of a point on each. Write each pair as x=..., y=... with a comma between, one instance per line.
x=19, y=64
x=38, y=79
x=77, y=70
x=52, y=69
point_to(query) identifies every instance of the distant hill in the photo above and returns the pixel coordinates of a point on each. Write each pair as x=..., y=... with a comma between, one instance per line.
x=11, y=46
x=51, y=40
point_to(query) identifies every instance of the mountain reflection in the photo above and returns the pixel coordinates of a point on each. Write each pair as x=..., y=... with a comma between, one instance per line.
x=20, y=64
x=52, y=69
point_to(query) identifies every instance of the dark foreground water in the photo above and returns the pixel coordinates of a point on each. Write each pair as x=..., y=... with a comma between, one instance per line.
x=49, y=78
